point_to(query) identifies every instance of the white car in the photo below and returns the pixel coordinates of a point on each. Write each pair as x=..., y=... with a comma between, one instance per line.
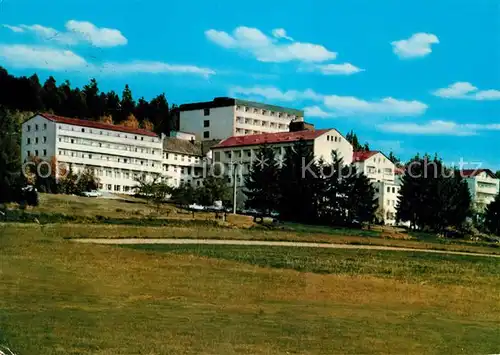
x=194, y=206
x=93, y=193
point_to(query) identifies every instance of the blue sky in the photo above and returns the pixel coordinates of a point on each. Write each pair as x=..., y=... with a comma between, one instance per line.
x=409, y=76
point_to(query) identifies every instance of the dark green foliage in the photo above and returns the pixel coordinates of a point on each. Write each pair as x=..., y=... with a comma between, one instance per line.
x=360, y=201
x=77, y=183
x=433, y=197
x=394, y=159
x=296, y=178
x=214, y=189
x=185, y=195
x=26, y=94
x=262, y=183
x=497, y=174
x=356, y=145
x=10, y=162
x=492, y=216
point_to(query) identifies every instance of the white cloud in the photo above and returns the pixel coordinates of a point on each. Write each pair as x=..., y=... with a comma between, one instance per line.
x=338, y=105
x=76, y=32
x=149, y=67
x=99, y=37
x=350, y=105
x=438, y=127
x=41, y=57
x=37, y=57
x=418, y=45
x=467, y=91
x=281, y=33
x=339, y=69
x=316, y=111
x=14, y=28
x=266, y=49
x=273, y=93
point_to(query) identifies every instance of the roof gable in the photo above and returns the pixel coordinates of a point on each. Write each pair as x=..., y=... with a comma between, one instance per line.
x=361, y=156
x=468, y=173
x=271, y=138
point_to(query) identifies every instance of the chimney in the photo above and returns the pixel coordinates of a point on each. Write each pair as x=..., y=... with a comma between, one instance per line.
x=297, y=126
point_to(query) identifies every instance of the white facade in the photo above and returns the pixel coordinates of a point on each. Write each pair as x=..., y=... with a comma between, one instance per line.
x=242, y=154
x=483, y=188
x=381, y=172
x=224, y=117
x=117, y=156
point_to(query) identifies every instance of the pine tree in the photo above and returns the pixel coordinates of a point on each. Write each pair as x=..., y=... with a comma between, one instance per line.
x=50, y=95
x=262, y=183
x=361, y=203
x=394, y=159
x=127, y=104
x=160, y=114
x=112, y=106
x=92, y=100
x=296, y=202
x=10, y=161
x=492, y=216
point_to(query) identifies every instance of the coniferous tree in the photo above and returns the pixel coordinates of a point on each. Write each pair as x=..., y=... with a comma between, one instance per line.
x=361, y=203
x=127, y=104
x=10, y=162
x=296, y=202
x=497, y=174
x=262, y=183
x=492, y=216
x=92, y=100
x=394, y=159
x=50, y=95
x=356, y=145
x=112, y=105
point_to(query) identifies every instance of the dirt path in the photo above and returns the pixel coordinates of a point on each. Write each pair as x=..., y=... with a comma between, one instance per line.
x=266, y=243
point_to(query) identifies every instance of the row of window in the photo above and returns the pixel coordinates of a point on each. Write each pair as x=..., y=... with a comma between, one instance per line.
x=107, y=133
x=28, y=140
x=373, y=170
x=111, y=158
x=333, y=139
x=265, y=112
x=261, y=123
x=392, y=189
x=44, y=153
x=181, y=157
x=28, y=127
x=100, y=144
x=116, y=188
x=187, y=170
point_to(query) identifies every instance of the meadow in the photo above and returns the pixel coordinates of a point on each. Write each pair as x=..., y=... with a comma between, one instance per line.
x=62, y=297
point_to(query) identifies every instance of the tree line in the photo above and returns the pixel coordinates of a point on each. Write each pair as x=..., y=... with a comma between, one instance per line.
x=27, y=94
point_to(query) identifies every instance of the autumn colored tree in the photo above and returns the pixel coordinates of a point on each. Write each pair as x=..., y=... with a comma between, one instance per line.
x=146, y=124
x=106, y=119
x=130, y=122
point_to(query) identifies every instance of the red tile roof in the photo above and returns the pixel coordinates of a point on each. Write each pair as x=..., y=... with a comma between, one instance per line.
x=474, y=172
x=98, y=125
x=362, y=156
x=271, y=138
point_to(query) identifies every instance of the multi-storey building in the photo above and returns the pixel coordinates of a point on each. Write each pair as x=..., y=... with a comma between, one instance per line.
x=483, y=187
x=241, y=151
x=381, y=172
x=186, y=161
x=226, y=117
x=117, y=155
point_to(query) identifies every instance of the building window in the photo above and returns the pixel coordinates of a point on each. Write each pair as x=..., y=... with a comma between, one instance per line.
x=142, y=138
x=206, y=123
x=206, y=134
x=393, y=190
x=44, y=126
x=36, y=127
x=135, y=137
x=28, y=141
x=83, y=129
x=124, y=160
x=388, y=189
x=36, y=140
x=29, y=128
x=206, y=112
x=36, y=153
x=45, y=152
x=198, y=182
x=28, y=153
x=45, y=139
x=108, y=186
x=72, y=141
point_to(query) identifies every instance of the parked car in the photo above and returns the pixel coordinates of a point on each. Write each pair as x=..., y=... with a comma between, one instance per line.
x=196, y=207
x=93, y=193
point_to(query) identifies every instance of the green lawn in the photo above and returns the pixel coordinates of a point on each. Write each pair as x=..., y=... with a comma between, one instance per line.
x=60, y=297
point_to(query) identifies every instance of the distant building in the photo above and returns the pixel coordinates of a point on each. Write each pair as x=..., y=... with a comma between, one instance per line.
x=226, y=117
x=381, y=172
x=242, y=150
x=186, y=161
x=483, y=187
x=117, y=155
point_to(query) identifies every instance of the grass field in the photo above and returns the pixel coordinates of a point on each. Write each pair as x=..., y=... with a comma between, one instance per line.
x=60, y=297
